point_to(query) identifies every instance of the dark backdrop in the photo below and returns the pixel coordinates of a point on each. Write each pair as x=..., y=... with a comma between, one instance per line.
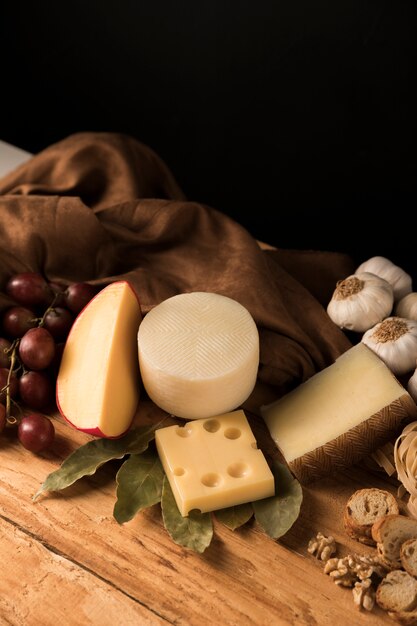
x=297, y=118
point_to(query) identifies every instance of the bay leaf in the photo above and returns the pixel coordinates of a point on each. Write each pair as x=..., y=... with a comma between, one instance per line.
x=194, y=532
x=86, y=460
x=139, y=485
x=235, y=516
x=277, y=514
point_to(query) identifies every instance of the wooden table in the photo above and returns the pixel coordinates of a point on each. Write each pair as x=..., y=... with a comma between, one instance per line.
x=65, y=560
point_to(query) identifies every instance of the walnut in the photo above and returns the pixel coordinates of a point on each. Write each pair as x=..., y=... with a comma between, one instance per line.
x=354, y=568
x=364, y=594
x=340, y=571
x=365, y=566
x=322, y=547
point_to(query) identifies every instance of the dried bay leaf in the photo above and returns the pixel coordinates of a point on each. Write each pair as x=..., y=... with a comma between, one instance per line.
x=86, y=460
x=194, y=532
x=139, y=485
x=234, y=516
x=277, y=514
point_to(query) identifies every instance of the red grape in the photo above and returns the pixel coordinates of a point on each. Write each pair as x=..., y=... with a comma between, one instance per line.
x=56, y=361
x=58, y=321
x=37, y=348
x=2, y=417
x=29, y=288
x=78, y=295
x=14, y=384
x=36, y=390
x=4, y=357
x=18, y=320
x=36, y=432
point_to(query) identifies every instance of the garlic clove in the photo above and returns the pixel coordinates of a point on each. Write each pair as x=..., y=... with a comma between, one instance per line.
x=407, y=307
x=394, y=340
x=360, y=301
x=399, y=280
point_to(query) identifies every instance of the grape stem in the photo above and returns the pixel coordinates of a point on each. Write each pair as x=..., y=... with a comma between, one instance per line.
x=13, y=356
x=51, y=307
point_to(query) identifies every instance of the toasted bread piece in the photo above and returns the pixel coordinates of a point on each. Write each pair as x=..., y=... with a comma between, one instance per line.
x=408, y=556
x=407, y=618
x=363, y=509
x=390, y=533
x=397, y=592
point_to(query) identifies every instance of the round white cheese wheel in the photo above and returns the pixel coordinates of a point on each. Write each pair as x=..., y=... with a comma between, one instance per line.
x=198, y=354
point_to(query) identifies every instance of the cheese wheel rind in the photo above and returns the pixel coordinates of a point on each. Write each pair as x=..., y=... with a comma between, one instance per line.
x=198, y=354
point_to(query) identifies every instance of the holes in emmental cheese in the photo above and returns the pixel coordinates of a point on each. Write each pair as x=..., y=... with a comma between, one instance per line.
x=183, y=431
x=179, y=471
x=211, y=426
x=232, y=433
x=211, y=480
x=238, y=470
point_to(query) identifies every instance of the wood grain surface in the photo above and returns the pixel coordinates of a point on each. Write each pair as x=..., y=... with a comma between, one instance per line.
x=65, y=560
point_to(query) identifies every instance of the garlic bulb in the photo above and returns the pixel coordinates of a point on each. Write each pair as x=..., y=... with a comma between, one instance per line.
x=395, y=341
x=360, y=301
x=412, y=386
x=399, y=280
x=407, y=307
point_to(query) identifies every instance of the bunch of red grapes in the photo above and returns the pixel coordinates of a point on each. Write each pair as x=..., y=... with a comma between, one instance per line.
x=32, y=338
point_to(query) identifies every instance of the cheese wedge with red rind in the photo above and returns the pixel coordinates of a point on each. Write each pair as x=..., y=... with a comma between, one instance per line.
x=340, y=415
x=98, y=381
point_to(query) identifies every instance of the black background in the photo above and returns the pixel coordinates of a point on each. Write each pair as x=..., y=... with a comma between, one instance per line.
x=297, y=118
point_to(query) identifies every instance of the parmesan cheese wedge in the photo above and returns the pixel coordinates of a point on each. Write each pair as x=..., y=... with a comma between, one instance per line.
x=340, y=415
x=98, y=380
x=198, y=354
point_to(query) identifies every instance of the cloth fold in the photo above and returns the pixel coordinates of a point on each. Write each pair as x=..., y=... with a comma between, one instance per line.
x=99, y=207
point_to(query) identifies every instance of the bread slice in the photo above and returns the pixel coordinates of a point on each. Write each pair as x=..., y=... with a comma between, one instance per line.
x=363, y=509
x=407, y=618
x=390, y=533
x=408, y=556
x=397, y=592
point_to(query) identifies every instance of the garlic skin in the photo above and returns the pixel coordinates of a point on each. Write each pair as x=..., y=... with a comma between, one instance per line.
x=395, y=342
x=407, y=307
x=399, y=280
x=360, y=301
x=412, y=386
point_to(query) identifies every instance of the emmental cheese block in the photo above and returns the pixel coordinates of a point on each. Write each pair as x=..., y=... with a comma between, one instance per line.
x=98, y=379
x=214, y=463
x=340, y=415
x=198, y=354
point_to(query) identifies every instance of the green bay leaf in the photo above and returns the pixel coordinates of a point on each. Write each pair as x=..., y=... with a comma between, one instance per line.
x=139, y=485
x=235, y=516
x=86, y=460
x=277, y=514
x=194, y=532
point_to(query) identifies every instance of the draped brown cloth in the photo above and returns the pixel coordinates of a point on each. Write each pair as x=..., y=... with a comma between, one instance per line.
x=100, y=207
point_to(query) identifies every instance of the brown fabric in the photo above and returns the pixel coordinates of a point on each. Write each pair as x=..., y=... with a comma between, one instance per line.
x=99, y=206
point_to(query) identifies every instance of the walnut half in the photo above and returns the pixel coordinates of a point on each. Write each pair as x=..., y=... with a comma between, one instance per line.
x=364, y=594
x=322, y=547
x=340, y=572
